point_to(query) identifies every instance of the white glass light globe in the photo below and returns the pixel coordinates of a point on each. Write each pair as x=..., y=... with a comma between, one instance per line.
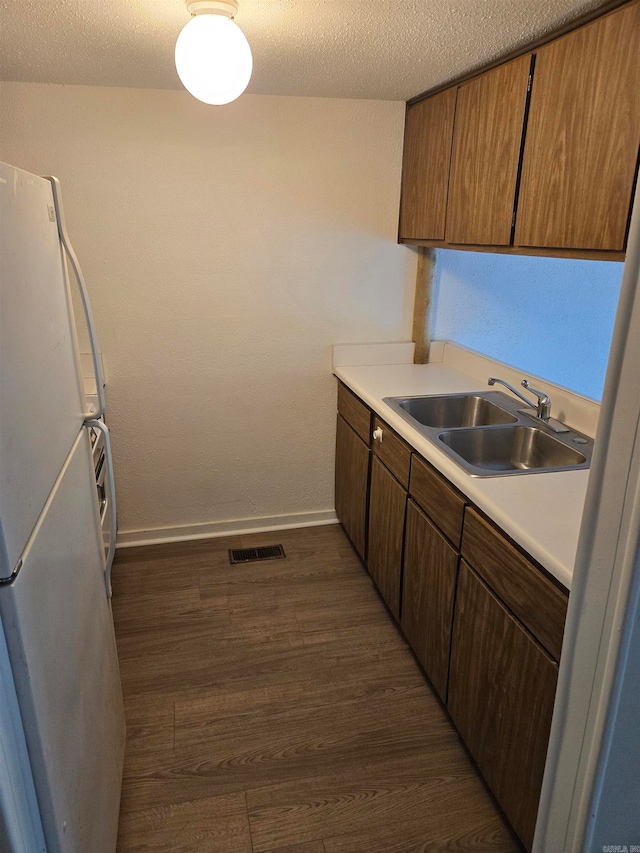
x=213, y=59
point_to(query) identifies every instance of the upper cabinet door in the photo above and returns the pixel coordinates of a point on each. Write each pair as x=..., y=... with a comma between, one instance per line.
x=486, y=153
x=425, y=172
x=583, y=134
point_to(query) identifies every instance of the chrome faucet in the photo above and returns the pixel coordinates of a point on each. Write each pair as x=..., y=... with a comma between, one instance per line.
x=543, y=407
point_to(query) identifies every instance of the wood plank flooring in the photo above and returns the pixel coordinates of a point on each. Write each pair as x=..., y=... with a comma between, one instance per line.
x=274, y=707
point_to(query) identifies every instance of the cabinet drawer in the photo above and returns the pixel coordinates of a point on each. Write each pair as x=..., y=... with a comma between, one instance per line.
x=392, y=450
x=442, y=503
x=525, y=590
x=355, y=413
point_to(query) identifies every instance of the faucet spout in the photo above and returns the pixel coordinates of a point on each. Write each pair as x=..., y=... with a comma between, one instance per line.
x=494, y=381
x=542, y=409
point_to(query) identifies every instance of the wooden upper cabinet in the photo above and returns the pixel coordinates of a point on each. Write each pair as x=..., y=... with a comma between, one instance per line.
x=583, y=135
x=425, y=171
x=486, y=153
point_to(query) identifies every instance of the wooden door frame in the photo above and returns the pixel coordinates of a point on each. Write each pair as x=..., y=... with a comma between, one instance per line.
x=587, y=730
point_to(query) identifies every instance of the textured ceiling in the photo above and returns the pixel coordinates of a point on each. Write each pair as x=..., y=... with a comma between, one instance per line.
x=357, y=49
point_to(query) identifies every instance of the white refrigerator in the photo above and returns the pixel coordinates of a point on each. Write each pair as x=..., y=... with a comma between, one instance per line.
x=61, y=713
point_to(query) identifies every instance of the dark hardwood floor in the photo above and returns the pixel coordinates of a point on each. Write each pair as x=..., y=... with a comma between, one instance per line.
x=274, y=706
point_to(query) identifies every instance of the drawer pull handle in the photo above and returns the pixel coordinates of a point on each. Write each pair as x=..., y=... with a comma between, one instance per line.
x=377, y=434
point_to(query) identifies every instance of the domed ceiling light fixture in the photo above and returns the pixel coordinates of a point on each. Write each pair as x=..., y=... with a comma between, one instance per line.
x=213, y=57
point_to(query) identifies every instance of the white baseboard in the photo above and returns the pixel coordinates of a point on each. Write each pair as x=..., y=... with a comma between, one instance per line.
x=215, y=529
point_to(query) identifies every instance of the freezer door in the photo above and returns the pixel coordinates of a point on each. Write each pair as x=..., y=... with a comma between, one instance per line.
x=39, y=375
x=57, y=621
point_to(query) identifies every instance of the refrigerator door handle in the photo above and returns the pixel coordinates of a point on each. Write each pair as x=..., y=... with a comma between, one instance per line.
x=71, y=255
x=108, y=457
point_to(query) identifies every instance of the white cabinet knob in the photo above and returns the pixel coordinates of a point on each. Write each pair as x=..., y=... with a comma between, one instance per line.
x=377, y=434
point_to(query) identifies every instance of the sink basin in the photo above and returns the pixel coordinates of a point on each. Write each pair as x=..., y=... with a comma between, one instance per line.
x=514, y=449
x=488, y=434
x=454, y=410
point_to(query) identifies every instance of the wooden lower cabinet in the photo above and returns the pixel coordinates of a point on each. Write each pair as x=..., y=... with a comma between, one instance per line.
x=387, y=509
x=486, y=625
x=536, y=602
x=352, y=484
x=501, y=693
x=429, y=584
x=443, y=503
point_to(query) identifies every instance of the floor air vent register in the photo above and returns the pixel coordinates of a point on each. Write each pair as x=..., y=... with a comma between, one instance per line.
x=253, y=555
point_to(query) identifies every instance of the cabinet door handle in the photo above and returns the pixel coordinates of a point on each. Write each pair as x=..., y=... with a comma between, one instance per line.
x=377, y=434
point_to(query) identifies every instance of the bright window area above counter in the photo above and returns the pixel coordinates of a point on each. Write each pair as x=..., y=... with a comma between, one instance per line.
x=552, y=316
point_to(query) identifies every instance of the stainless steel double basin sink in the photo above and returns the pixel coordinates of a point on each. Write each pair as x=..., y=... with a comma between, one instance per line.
x=488, y=435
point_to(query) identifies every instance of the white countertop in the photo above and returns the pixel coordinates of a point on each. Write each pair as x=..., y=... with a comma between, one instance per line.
x=541, y=512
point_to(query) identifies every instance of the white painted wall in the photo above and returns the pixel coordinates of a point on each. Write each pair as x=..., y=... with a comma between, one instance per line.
x=551, y=317
x=226, y=250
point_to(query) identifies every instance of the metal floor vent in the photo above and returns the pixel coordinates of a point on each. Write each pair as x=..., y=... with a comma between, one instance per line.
x=252, y=555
